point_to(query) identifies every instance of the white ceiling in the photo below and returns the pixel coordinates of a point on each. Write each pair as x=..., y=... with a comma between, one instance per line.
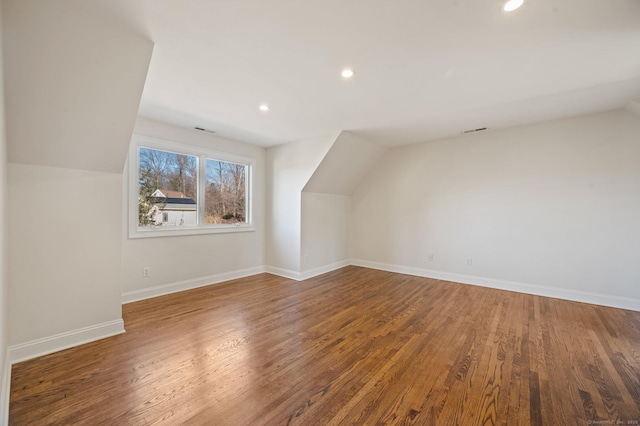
x=425, y=69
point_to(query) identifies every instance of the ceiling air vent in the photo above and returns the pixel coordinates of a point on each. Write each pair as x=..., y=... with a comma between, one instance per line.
x=481, y=129
x=202, y=129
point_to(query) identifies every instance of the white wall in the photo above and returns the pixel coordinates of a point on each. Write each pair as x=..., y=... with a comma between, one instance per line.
x=554, y=204
x=5, y=368
x=633, y=107
x=289, y=169
x=65, y=251
x=325, y=230
x=325, y=209
x=179, y=262
x=73, y=86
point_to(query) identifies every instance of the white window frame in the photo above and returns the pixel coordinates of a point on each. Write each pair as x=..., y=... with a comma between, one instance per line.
x=202, y=154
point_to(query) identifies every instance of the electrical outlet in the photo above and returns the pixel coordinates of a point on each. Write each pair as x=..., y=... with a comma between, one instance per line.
x=306, y=259
x=430, y=258
x=146, y=271
x=469, y=261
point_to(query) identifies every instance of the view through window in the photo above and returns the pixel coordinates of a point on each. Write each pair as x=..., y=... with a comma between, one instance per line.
x=168, y=185
x=184, y=190
x=225, y=196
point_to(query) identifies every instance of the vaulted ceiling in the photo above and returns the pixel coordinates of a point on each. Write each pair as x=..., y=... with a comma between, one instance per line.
x=424, y=69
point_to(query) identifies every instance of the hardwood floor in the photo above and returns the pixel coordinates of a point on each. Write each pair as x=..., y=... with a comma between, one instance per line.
x=355, y=346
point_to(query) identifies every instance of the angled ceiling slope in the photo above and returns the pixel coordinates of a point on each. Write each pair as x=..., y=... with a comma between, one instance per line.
x=344, y=166
x=424, y=70
x=73, y=86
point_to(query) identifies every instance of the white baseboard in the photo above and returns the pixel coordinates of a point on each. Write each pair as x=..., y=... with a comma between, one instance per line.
x=6, y=390
x=538, y=290
x=147, y=293
x=286, y=273
x=324, y=269
x=58, y=342
x=301, y=276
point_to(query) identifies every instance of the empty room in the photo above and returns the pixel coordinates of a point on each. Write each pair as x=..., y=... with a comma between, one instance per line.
x=320, y=213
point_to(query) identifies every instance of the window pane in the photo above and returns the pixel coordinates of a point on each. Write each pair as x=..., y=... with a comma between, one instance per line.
x=225, y=195
x=168, y=185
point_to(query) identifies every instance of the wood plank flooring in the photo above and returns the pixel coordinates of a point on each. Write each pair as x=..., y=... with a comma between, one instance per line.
x=354, y=346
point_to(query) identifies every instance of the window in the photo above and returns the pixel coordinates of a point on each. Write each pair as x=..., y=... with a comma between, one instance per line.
x=225, y=193
x=182, y=190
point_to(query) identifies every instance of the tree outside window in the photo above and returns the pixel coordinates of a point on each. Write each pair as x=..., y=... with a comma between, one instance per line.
x=225, y=196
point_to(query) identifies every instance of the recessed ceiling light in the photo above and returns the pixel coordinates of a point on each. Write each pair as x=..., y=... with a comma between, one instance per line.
x=512, y=5
x=347, y=73
x=264, y=107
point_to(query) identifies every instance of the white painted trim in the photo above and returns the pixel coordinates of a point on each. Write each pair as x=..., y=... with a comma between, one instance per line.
x=301, y=276
x=286, y=273
x=6, y=390
x=69, y=339
x=538, y=290
x=324, y=269
x=147, y=293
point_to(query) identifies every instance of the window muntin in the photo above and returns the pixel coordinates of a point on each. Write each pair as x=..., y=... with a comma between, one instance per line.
x=175, y=184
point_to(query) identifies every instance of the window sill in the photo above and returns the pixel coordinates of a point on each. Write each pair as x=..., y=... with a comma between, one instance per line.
x=153, y=233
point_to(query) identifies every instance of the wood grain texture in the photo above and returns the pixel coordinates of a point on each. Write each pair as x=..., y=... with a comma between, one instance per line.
x=354, y=346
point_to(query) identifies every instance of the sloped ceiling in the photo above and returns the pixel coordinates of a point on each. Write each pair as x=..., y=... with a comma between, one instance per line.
x=344, y=165
x=73, y=86
x=425, y=69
